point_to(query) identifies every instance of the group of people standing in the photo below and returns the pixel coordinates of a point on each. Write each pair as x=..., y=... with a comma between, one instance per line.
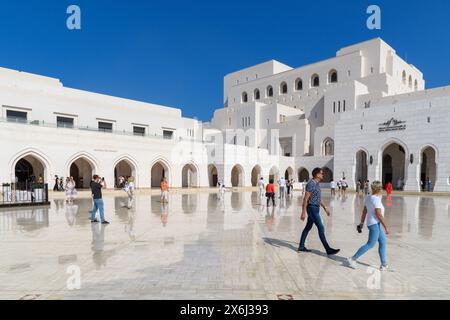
x=286, y=187
x=341, y=185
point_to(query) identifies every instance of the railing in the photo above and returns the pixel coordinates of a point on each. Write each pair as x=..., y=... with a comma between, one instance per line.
x=91, y=129
x=23, y=193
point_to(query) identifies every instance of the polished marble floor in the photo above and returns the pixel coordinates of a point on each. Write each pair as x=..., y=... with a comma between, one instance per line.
x=201, y=247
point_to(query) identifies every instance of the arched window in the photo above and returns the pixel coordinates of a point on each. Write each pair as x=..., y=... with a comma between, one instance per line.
x=416, y=85
x=328, y=147
x=283, y=88
x=333, y=76
x=269, y=91
x=404, y=77
x=410, y=82
x=298, y=84
x=256, y=94
x=244, y=97
x=315, y=81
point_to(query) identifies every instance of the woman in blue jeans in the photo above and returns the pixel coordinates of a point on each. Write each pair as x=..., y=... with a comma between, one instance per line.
x=374, y=213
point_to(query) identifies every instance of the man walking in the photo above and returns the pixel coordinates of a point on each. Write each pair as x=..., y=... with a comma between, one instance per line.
x=96, y=189
x=311, y=206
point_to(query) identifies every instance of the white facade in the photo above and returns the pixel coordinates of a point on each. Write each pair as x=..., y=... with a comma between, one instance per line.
x=276, y=120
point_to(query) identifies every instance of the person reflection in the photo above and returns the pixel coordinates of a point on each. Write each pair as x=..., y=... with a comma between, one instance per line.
x=129, y=225
x=99, y=256
x=270, y=217
x=71, y=213
x=164, y=214
x=389, y=201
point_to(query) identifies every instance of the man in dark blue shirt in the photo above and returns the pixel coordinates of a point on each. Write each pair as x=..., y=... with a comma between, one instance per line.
x=311, y=205
x=96, y=189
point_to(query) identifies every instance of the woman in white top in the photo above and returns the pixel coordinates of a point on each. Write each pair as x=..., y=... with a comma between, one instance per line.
x=374, y=213
x=129, y=188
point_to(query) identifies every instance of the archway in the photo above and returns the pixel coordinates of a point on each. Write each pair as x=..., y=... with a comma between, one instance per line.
x=394, y=165
x=125, y=169
x=289, y=174
x=327, y=175
x=81, y=170
x=212, y=175
x=189, y=176
x=428, y=167
x=328, y=147
x=159, y=171
x=361, y=172
x=274, y=174
x=256, y=175
x=237, y=176
x=303, y=175
x=30, y=169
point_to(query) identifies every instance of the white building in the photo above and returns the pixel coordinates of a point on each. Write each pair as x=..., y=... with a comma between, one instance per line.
x=364, y=114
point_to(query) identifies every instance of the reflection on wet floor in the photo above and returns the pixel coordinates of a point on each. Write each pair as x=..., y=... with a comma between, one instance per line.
x=230, y=247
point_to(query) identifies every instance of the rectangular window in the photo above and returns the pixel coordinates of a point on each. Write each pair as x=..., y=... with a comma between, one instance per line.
x=344, y=105
x=16, y=116
x=139, y=131
x=339, y=106
x=64, y=122
x=249, y=121
x=167, y=134
x=105, y=126
x=242, y=122
x=334, y=107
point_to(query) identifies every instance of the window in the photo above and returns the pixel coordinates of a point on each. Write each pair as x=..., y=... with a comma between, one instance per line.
x=349, y=73
x=244, y=97
x=269, y=91
x=344, y=105
x=315, y=81
x=242, y=122
x=334, y=107
x=256, y=94
x=429, y=119
x=404, y=77
x=299, y=84
x=105, y=126
x=410, y=82
x=247, y=141
x=416, y=85
x=249, y=122
x=168, y=134
x=282, y=118
x=64, y=122
x=16, y=116
x=283, y=88
x=139, y=131
x=333, y=76
x=339, y=106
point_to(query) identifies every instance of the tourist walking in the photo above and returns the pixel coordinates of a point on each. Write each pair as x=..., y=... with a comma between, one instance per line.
x=261, y=186
x=55, y=187
x=344, y=186
x=282, y=185
x=221, y=189
x=373, y=213
x=311, y=207
x=333, y=187
x=96, y=188
x=129, y=189
x=389, y=188
x=164, y=191
x=70, y=190
x=270, y=192
x=366, y=187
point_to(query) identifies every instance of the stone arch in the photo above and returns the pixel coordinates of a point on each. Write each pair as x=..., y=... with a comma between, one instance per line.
x=256, y=175
x=237, y=176
x=327, y=175
x=428, y=167
x=361, y=165
x=394, y=162
x=303, y=174
x=160, y=168
x=125, y=166
x=189, y=175
x=289, y=173
x=213, y=175
x=328, y=147
x=39, y=159
x=274, y=173
x=82, y=166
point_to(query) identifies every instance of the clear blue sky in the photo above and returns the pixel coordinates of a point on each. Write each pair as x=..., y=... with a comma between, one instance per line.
x=176, y=53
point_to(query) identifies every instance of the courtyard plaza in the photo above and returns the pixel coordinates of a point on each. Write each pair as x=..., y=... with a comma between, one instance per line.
x=199, y=246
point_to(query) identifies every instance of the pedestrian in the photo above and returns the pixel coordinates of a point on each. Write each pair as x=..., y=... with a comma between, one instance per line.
x=389, y=188
x=103, y=183
x=373, y=213
x=56, y=186
x=164, y=191
x=61, y=184
x=358, y=186
x=311, y=207
x=366, y=187
x=333, y=187
x=96, y=188
x=129, y=189
x=70, y=190
x=288, y=187
x=261, y=186
x=270, y=192
x=344, y=186
x=282, y=185
x=221, y=189
x=428, y=184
